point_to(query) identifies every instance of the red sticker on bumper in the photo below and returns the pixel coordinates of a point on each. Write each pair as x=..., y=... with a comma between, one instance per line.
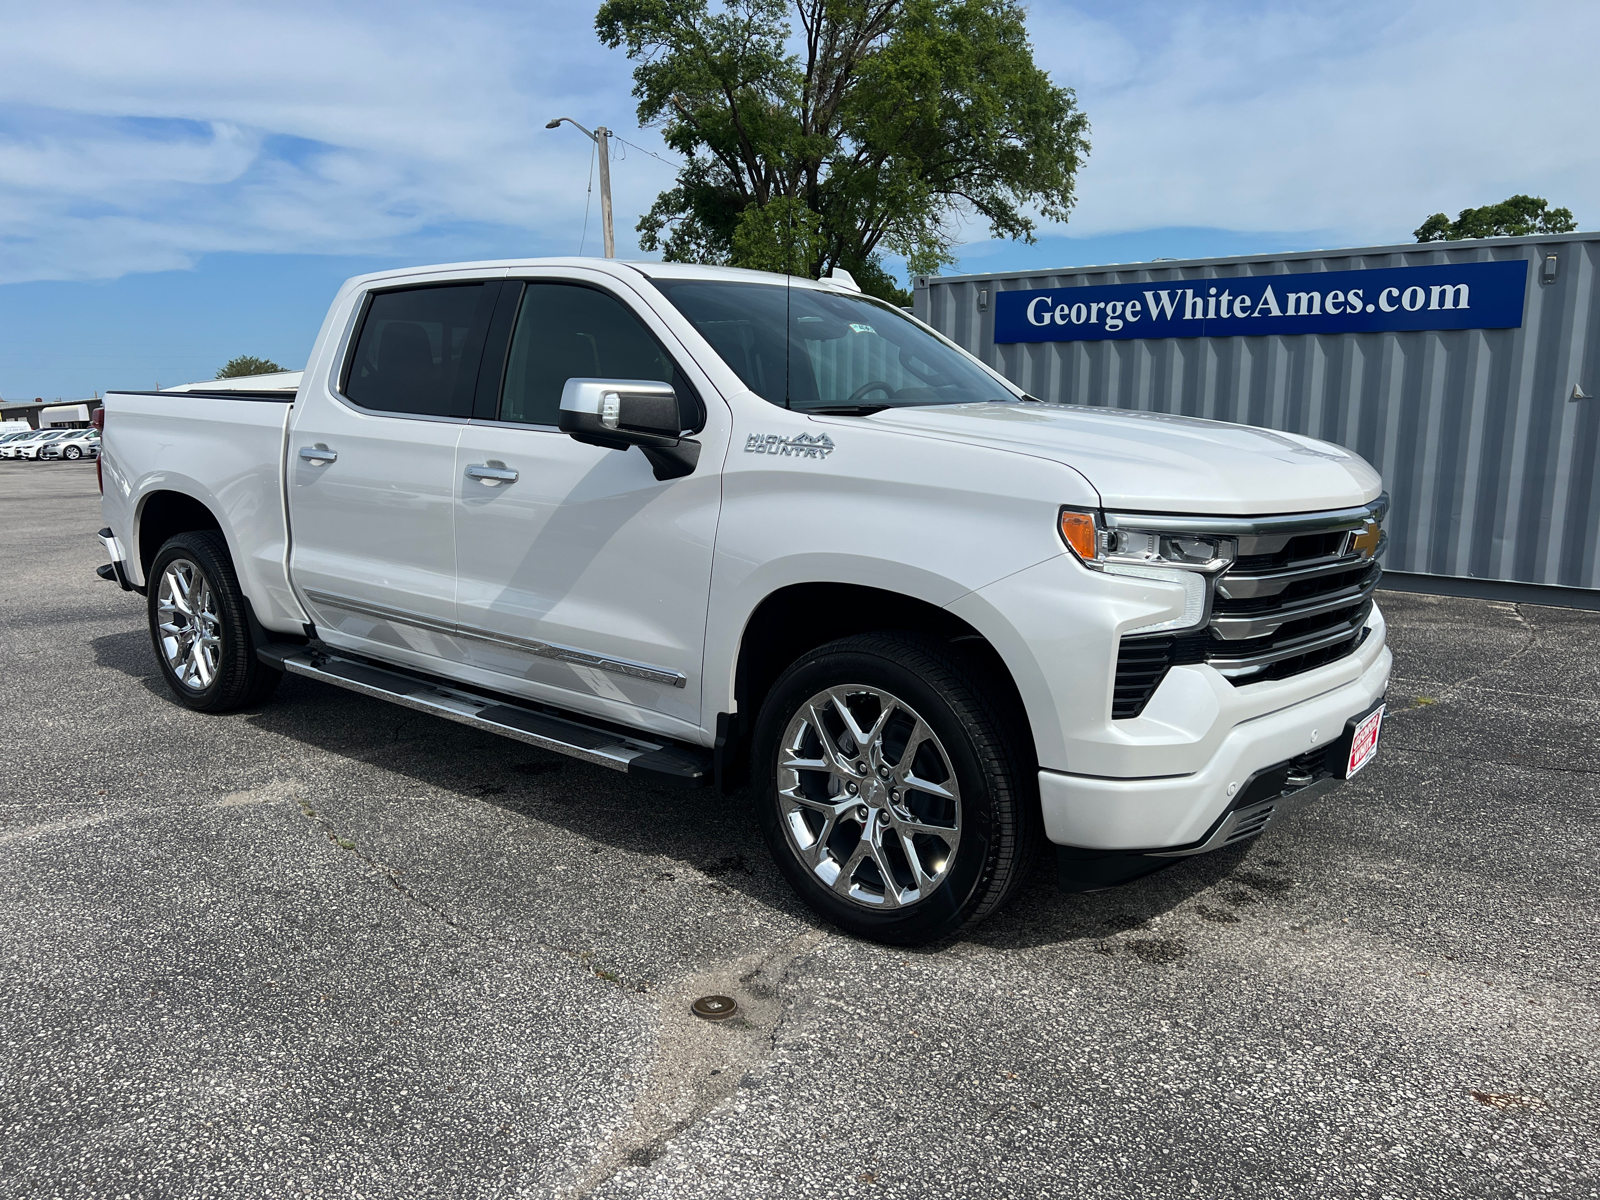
x=1364, y=745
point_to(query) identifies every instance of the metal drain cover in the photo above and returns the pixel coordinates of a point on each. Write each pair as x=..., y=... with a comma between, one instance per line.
x=714, y=1008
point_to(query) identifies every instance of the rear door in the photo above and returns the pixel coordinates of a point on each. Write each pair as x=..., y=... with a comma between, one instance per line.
x=582, y=579
x=371, y=471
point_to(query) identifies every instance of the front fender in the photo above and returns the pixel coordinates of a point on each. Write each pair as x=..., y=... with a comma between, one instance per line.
x=811, y=500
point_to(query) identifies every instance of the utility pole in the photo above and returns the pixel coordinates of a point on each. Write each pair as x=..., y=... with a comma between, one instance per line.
x=601, y=137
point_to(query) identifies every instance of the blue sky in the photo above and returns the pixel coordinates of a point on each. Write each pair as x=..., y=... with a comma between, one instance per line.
x=183, y=182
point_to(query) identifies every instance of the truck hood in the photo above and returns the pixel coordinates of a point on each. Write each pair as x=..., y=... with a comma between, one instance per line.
x=1153, y=462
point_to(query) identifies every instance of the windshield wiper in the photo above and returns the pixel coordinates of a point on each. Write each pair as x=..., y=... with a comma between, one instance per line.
x=847, y=410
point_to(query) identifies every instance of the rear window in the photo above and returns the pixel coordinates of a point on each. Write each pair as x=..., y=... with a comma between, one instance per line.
x=419, y=349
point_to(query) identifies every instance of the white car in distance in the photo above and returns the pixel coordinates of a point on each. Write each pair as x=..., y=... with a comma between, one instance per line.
x=12, y=436
x=79, y=443
x=29, y=447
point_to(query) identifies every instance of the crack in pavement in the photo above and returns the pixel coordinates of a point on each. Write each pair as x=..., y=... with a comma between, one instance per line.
x=392, y=876
x=1499, y=762
x=699, y=1064
x=290, y=789
x=1418, y=681
x=1515, y=611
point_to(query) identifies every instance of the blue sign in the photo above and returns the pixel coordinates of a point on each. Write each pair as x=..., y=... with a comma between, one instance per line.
x=1486, y=295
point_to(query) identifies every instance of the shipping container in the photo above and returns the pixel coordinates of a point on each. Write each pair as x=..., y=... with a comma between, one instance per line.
x=1463, y=371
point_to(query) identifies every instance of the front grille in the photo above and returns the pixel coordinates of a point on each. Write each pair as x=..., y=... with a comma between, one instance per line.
x=1291, y=602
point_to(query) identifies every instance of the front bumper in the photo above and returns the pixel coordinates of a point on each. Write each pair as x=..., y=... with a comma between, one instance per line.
x=1183, y=814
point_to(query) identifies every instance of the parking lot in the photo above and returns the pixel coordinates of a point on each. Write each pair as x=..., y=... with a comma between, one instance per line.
x=335, y=948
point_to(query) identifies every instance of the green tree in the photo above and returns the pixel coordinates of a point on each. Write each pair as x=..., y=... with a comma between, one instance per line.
x=248, y=364
x=1517, y=217
x=876, y=131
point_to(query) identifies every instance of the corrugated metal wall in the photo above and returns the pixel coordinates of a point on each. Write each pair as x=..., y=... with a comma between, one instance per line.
x=1491, y=465
x=841, y=363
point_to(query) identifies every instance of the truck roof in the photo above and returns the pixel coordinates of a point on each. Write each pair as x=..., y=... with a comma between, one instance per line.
x=618, y=267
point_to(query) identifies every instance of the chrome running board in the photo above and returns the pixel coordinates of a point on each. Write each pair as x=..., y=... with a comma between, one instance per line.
x=645, y=756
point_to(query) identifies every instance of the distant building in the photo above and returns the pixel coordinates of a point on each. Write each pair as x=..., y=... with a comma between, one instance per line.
x=52, y=414
x=75, y=414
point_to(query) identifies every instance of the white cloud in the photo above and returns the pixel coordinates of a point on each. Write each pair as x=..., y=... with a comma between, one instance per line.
x=1358, y=118
x=142, y=137
x=136, y=138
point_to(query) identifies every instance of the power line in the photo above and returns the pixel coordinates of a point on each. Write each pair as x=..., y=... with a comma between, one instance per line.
x=651, y=153
x=588, y=196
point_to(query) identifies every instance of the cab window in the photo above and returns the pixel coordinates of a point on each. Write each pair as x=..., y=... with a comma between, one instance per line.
x=419, y=349
x=569, y=331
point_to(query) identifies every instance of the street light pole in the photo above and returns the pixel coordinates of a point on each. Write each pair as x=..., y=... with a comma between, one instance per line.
x=601, y=137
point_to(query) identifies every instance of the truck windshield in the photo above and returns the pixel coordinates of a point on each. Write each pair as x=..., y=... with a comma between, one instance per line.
x=840, y=353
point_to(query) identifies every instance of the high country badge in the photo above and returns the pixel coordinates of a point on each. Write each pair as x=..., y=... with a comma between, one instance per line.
x=801, y=445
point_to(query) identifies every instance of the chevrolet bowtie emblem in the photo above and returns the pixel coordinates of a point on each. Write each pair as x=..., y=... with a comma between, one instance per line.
x=1365, y=542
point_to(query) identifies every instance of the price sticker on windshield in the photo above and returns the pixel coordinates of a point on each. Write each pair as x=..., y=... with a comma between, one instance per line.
x=1364, y=742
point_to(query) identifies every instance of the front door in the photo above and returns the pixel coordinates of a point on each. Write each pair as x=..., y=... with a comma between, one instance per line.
x=371, y=473
x=582, y=579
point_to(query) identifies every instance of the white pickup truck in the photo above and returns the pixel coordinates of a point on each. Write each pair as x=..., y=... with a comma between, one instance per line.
x=709, y=526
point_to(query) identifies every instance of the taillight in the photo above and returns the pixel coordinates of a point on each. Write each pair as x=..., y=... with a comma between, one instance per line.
x=98, y=421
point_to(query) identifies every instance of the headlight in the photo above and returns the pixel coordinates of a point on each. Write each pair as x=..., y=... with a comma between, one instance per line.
x=1137, y=546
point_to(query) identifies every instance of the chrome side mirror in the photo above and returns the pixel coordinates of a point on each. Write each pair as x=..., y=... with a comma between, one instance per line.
x=618, y=413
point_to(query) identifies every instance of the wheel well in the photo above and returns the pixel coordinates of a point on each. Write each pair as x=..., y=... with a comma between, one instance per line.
x=802, y=617
x=164, y=514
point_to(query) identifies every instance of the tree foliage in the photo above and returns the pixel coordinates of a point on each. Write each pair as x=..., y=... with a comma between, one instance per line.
x=1517, y=217
x=247, y=364
x=875, y=129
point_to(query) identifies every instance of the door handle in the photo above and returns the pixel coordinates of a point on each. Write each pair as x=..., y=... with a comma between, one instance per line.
x=490, y=475
x=318, y=454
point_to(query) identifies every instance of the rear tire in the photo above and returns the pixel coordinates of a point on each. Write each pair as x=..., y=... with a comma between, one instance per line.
x=200, y=628
x=890, y=791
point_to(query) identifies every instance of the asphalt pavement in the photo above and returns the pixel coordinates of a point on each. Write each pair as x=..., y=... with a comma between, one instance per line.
x=334, y=948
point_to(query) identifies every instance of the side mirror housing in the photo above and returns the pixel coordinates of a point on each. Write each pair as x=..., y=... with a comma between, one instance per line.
x=618, y=413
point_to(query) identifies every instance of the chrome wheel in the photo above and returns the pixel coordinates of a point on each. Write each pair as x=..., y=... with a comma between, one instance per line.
x=72, y=452
x=190, y=629
x=868, y=797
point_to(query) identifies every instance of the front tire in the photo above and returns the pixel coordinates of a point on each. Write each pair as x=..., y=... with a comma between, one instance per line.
x=892, y=795
x=72, y=452
x=199, y=627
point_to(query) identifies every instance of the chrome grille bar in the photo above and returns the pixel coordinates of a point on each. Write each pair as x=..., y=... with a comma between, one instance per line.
x=1251, y=585
x=1234, y=666
x=1240, y=628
